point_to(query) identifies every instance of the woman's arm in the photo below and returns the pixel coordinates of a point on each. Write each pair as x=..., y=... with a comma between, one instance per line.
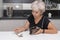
x=23, y=28
x=51, y=29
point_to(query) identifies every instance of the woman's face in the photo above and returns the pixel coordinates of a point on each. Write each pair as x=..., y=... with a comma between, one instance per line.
x=36, y=13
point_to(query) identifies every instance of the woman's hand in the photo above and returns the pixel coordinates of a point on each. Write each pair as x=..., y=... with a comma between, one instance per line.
x=17, y=30
x=39, y=31
x=23, y=28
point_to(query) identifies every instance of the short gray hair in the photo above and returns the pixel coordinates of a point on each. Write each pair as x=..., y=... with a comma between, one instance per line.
x=38, y=5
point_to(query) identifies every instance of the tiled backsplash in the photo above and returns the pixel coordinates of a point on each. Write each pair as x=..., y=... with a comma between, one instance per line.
x=16, y=6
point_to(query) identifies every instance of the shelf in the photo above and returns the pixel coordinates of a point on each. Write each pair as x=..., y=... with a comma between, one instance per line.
x=8, y=18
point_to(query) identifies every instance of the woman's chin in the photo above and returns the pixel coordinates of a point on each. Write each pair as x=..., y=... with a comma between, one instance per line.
x=35, y=16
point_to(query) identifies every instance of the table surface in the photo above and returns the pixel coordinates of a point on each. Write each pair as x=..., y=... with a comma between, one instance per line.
x=10, y=35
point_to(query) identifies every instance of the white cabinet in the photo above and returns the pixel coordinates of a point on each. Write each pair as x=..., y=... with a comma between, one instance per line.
x=8, y=25
x=56, y=22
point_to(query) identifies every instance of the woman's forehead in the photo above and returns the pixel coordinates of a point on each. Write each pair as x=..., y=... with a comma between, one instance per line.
x=35, y=9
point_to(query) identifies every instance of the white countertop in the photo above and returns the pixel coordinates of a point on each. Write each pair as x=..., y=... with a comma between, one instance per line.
x=10, y=35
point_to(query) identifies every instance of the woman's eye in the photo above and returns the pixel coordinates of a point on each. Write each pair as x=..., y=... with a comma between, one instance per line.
x=36, y=12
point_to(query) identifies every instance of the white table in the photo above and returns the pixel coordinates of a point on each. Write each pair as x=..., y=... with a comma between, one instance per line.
x=10, y=35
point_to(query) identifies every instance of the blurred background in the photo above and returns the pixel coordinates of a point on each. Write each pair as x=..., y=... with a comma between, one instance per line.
x=14, y=13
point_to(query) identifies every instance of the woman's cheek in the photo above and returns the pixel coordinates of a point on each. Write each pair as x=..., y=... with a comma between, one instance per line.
x=37, y=14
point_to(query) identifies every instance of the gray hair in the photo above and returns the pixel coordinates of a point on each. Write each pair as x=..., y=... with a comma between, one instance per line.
x=38, y=4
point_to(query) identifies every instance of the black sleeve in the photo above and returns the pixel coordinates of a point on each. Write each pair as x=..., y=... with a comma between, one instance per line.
x=46, y=22
x=30, y=18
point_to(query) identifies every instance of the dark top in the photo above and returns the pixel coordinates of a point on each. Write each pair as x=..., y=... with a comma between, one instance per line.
x=43, y=23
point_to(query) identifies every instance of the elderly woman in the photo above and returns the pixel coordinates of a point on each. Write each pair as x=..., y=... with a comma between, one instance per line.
x=38, y=20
